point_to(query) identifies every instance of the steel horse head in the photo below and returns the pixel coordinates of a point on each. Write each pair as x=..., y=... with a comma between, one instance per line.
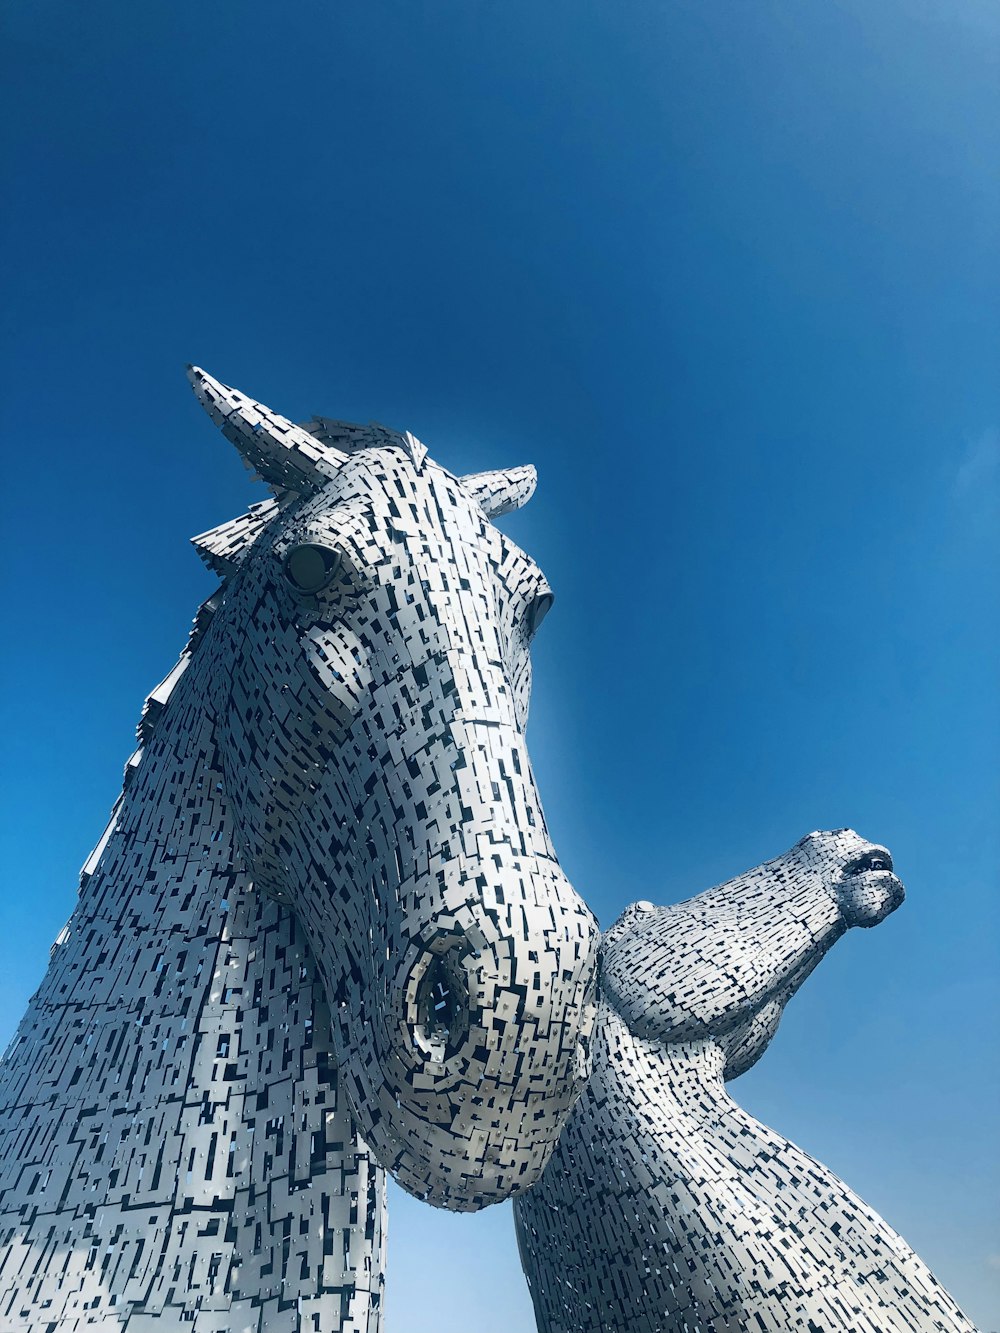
x=369, y=680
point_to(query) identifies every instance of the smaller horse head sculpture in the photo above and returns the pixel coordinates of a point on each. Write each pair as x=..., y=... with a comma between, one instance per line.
x=370, y=683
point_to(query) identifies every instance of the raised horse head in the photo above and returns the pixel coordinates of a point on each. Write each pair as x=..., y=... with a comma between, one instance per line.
x=369, y=677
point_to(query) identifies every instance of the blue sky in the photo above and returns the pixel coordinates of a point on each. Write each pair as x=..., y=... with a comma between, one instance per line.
x=727, y=273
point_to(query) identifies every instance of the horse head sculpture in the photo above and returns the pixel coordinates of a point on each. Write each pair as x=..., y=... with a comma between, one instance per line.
x=369, y=681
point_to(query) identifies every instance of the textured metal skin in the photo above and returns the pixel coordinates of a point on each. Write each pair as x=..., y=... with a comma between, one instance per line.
x=325, y=926
x=666, y=1207
x=174, y=1142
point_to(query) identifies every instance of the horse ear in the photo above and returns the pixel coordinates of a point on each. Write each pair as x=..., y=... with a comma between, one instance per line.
x=503, y=491
x=287, y=457
x=223, y=548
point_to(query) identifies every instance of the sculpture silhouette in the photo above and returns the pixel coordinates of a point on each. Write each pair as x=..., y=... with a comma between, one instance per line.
x=325, y=928
x=326, y=934
x=666, y=1208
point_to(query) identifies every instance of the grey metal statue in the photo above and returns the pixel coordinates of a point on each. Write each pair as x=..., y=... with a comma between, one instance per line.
x=666, y=1207
x=326, y=935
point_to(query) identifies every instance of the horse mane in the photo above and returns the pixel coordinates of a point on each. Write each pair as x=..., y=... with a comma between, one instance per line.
x=152, y=710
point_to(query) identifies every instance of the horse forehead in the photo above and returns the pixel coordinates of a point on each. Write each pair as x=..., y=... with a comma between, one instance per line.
x=835, y=844
x=392, y=474
x=386, y=485
x=850, y=843
x=373, y=489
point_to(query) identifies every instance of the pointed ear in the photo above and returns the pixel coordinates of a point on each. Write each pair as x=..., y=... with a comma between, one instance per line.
x=503, y=491
x=416, y=450
x=223, y=548
x=283, y=454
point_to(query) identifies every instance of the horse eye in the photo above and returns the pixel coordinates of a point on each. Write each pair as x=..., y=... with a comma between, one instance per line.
x=538, y=610
x=309, y=567
x=873, y=861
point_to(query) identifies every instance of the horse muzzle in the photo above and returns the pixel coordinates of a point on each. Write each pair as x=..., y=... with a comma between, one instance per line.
x=477, y=1043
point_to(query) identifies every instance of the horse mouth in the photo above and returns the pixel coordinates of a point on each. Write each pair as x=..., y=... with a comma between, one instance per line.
x=871, y=896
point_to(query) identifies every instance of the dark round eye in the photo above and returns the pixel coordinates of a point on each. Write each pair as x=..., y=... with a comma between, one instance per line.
x=873, y=861
x=309, y=567
x=538, y=610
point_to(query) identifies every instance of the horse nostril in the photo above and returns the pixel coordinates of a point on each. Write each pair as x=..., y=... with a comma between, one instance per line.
x=581, y=1061
x=440, y=1006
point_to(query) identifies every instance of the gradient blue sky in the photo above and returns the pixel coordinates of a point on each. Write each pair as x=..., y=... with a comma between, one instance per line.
x=727, y=273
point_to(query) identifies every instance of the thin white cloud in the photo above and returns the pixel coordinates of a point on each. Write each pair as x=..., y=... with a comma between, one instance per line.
x=979, y=470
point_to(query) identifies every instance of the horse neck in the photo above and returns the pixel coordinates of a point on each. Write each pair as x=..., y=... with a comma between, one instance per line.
x=175, y=1058
x=172, y=814
x=165, y=873
x=683, y=1079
